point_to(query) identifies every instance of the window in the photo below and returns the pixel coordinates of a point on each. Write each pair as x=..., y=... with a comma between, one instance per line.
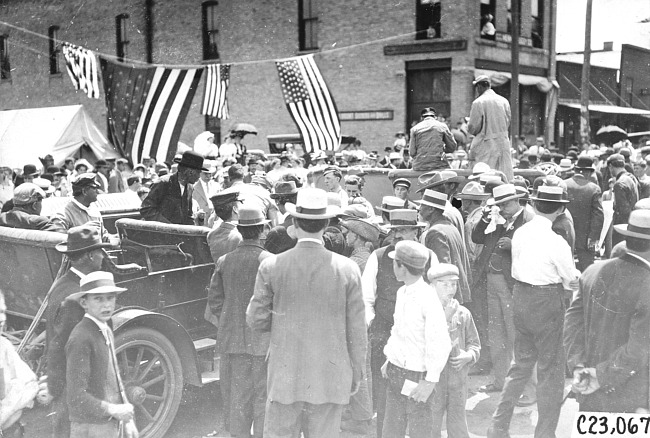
x=488, y=16
x=629, y=85
x=428, y=84
x=307, y=24
x=210, y=32
x=537, y=23
x=5, y=67
x=53, y=35
x=427, y=19
x=121, y=37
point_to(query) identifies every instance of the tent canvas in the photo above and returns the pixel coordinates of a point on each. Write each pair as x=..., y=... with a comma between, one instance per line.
x=27, y=134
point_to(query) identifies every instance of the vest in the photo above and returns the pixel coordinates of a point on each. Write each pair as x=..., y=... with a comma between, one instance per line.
x=387, y=285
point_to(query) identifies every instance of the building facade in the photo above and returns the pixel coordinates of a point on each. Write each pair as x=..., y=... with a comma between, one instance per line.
x=383, y=61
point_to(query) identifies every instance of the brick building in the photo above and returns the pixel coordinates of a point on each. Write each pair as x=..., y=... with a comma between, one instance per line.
x=383, y=60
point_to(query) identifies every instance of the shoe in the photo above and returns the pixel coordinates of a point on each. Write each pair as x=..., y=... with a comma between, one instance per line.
x=490, y=387
x=493, y=432
x=525, y=400
x=357, y=427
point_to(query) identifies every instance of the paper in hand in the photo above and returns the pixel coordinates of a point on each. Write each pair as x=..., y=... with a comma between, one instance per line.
x=409, y=386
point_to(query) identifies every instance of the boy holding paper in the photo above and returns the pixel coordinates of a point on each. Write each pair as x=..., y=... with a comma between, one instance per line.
x=417, y=349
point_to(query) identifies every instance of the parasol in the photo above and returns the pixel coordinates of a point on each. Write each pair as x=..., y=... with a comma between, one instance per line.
x=610, y=134
x=244, y=128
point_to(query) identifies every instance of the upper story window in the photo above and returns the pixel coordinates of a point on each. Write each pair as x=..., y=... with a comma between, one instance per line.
x=54, y=48
x=629, y=90
x=537, y=23
x=121, y=36
x=209, y=29
x=488, y=14
x=5, y=67
x=307, y=24
x=427, y=19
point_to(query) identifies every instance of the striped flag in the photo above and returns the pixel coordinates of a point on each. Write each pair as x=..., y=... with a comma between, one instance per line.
x=310, y=103
x=82, y=69
x=215, y=100
x=147, y=107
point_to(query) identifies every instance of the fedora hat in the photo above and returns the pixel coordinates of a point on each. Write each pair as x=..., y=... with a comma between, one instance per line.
x=405, y=218
x=410, y=253
x=312, y=204
x=585, y=162
x=283, y=189
x=30, y=170
x=437, y=178
x=472, y=191
x=638, y=225
x=389, y=203
x=504, y=193
x=250, y=216
x=550, y=194
x=566, y=164
x=368, y=231
x=434, y=199
x=83, y=238
x=479, y=169
x=193, y=160
x=98, y=282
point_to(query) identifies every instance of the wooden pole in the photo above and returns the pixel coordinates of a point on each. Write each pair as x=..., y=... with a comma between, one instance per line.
x=514, y=81
x=584, y=95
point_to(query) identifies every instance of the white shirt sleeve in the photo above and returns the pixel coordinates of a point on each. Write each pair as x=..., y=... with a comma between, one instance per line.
x=369, y=286
x=564, y=263
x=436, y=334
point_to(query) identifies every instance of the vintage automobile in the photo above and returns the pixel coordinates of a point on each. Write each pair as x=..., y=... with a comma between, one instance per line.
x=278, y=142
x=162, y=339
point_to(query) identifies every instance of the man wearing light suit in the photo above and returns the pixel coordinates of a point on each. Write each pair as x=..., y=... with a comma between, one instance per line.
x=310, y=300
x=203, y=189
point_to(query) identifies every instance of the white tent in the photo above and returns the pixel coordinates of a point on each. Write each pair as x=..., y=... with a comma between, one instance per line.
x=27, y=134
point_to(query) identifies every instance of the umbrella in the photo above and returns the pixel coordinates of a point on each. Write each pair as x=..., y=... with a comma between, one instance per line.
x=245, y=128
x=610, y=134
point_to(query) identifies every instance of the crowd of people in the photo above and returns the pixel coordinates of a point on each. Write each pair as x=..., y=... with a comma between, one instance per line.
x=331, y=311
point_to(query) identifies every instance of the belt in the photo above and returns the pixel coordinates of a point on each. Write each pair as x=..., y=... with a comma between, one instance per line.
x=544, y=286
x=416, y=376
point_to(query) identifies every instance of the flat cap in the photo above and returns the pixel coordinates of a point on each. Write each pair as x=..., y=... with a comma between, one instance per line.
x=26, y=193
x=85, y=180
x=442, y=272
x=410, y=253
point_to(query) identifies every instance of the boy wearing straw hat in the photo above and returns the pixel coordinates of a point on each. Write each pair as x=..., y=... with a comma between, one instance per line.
x=95, y=393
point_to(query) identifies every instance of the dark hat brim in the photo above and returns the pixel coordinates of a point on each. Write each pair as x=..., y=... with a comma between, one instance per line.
x=453, y=179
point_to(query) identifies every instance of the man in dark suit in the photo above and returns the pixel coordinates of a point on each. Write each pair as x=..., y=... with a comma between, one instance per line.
x=586, y=209
x=310, y=299
x=494, y=264
x=243, y=350
x=84, y=248
x=170, y=198
x=606, y=326
x=626, y=191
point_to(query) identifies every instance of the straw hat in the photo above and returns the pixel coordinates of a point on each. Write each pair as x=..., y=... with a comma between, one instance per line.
x=98, y=282
x=312, y=204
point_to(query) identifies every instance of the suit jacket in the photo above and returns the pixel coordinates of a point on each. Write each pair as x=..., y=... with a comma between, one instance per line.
x=17, y=218
x=87, y=383
x=626, y=194
x=489, y=242
x=116, y=182
x=61, y=316
x=230, y=292
x=310, y=299
x=166, y=204
x=202, y=198
x=586, y=208
x=607, y=327
x=446, y=242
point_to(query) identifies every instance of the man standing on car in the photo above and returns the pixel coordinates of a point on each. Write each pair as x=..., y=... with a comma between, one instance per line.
x=310, y=299
x=430, y=140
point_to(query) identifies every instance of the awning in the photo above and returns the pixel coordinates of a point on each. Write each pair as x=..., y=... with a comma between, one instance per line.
x=501, y=77
x=609, y=109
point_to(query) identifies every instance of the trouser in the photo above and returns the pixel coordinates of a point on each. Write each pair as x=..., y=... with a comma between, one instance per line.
x=450, y=397
x=89, y=430
x=247, y=394
x=224, y=386
x=59, y=418
x=495, y=152
x=379, y=334
x=479, y=309
x=402, y=410
x=539, y=320
x=360, y=407
x=585, y=259
x=315, y=421
x=501, y=330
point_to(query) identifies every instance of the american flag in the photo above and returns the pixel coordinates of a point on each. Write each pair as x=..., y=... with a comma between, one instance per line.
x=310, y=103
x=215, y=100
x=147, y=107
x=82, y=69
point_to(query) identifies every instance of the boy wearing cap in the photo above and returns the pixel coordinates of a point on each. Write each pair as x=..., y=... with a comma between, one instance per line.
x=451, y=392
x=242, y=350
x=401, y=187
x=417, y=349
x=26, y=213
x=542, y=267
x=606, y=326
x=95, y=393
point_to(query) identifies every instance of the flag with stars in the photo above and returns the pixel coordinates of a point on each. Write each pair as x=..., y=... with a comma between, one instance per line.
x=147, y=107
x=310, y=103
x=215, y=100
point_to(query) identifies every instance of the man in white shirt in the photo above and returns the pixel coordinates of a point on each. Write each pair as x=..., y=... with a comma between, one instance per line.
x=542, y=267
x=332, y=178
x=418, y=347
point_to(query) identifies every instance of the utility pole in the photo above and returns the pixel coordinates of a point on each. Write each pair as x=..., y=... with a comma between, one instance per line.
x=584, y=95
x=514, y=81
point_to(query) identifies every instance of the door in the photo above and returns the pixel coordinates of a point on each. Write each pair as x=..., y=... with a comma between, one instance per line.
x=428, y=84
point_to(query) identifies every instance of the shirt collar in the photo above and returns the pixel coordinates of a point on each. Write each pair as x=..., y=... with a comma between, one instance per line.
x=77, y=272
x=415, y=286
x=309, y=239
x=102, y=325
x=80, y=205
